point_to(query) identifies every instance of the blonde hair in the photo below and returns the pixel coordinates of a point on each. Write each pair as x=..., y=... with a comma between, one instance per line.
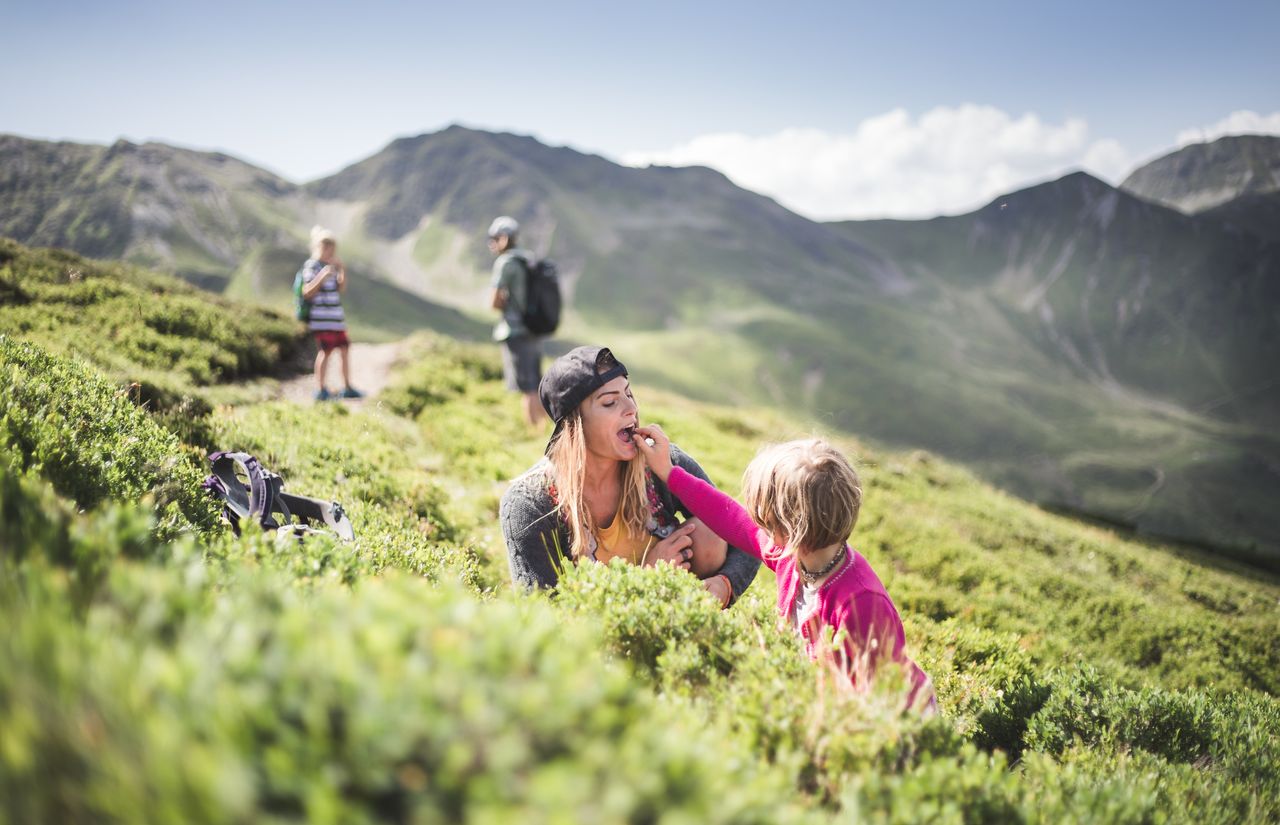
x=804, y=490
x=568, y=457
x=320, y=235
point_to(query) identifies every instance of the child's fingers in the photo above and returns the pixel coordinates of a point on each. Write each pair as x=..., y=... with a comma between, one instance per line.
x=642, y=445
x=652, y=431
x=651, y=437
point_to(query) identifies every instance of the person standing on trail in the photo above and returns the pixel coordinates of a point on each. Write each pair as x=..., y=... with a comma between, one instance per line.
x=324, y=279
x=521, y=349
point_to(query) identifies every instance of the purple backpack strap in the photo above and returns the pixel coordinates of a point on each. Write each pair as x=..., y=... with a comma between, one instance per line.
x=256, y=500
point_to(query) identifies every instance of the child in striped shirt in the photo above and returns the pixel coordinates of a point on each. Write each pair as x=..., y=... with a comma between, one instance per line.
x=324, y=280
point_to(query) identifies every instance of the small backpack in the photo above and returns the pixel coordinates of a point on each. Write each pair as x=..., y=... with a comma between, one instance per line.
x=263, y=497
x=301, y=306
x=542, y=305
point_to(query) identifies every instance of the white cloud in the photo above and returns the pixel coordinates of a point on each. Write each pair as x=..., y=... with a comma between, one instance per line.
x=947, y=160
x=1242, y=122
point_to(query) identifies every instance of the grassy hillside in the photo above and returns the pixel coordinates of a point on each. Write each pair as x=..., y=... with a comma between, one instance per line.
x=157, y=668
x=1085, y=360
x=1079, y=346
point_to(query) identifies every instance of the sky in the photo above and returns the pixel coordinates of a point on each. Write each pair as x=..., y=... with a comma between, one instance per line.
x=838, y=110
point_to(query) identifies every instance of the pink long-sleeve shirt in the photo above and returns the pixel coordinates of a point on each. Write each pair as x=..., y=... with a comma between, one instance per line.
x=852, y=604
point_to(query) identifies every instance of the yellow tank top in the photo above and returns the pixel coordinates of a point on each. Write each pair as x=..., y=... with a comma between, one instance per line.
x=614, y=542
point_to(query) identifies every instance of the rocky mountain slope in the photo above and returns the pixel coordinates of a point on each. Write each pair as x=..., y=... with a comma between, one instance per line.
x=1204, y=175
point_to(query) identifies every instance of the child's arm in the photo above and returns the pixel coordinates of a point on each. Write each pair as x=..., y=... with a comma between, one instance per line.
x=726, y=517
x=311, y=287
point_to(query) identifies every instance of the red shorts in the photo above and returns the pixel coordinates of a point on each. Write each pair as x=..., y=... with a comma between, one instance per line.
x=330, y=339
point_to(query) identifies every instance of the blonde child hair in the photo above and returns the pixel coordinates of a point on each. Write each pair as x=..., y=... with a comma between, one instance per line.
x=320, y=236
x=805, y=491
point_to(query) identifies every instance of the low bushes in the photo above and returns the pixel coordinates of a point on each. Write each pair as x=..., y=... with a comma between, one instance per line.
x=392, y=701
x=63, y=420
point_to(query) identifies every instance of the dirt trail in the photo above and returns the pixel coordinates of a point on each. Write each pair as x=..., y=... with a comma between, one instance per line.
x=370, y=371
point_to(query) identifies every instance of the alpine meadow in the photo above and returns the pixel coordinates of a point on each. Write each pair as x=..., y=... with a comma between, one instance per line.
x=1107, y=352
x=155, y=667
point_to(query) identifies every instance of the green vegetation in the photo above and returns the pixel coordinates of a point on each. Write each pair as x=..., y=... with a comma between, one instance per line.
x=1085, y=349
x=65, y=422
x=166, y=341
x=154, y=667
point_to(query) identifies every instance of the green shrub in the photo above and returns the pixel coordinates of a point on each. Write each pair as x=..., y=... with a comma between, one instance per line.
x=105, y=311
x=975, y=787
x=647, y=612
x=158, y=337
x=1088, y=708
x=34, y=522
x=986, y=682
x=438, y=370
x=372, y=464
x=66, y=422
x=393, y=701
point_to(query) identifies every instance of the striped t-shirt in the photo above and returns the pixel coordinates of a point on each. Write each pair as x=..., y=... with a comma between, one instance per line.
x=326, y=306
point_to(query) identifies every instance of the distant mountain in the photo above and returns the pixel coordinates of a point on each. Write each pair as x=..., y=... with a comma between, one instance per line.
x=1086, y=348
x=1257, y=214
x=1134, y=344
x=216, y=221
x=1205, y=175
x=196, y=213
x=636, y=244
x=1128, y=294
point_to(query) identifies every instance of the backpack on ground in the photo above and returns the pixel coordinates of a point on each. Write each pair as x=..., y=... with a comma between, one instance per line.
x=262, y=497
x=301, y=306
x=542, y=305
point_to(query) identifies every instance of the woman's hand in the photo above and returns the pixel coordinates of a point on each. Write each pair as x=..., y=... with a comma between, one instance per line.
x=676, y=548
x=658, y=456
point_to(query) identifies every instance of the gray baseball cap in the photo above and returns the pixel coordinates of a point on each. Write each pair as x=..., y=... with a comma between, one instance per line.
x=572, y=378
x=503, y=225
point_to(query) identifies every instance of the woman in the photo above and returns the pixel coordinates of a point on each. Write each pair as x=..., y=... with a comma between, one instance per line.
x=591, y=496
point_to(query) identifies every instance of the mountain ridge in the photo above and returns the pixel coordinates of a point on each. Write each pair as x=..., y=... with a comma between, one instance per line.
x=1201, y=176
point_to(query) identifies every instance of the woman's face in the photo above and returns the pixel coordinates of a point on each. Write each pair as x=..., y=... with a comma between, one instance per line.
x=327, y=250
x=609, y=417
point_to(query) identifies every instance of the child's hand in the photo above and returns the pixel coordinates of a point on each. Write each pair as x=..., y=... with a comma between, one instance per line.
x=654, y=445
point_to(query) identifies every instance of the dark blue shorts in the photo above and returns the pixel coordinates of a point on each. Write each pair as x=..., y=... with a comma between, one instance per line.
x=522, y=363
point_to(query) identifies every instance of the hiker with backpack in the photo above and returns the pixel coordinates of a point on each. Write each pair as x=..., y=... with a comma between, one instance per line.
x=318, y=289
x=527, y=294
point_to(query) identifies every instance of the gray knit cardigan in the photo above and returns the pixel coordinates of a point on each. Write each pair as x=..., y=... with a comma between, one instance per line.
x=538, y=540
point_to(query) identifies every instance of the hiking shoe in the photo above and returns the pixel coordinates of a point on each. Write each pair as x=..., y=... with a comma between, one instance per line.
x=322, y=394
x=352, y=392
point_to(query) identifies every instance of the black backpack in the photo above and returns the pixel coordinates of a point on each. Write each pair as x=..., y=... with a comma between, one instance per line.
x=260, y=497
x=542, y=298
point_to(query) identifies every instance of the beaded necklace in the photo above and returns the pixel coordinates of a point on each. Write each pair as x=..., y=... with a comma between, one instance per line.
x=811, y=577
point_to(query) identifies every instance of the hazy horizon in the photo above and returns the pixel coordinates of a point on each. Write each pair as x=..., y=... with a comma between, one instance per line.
x=833, y=110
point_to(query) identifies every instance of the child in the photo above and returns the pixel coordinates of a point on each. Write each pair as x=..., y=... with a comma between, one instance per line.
x=324, y=280
x=802, y=500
